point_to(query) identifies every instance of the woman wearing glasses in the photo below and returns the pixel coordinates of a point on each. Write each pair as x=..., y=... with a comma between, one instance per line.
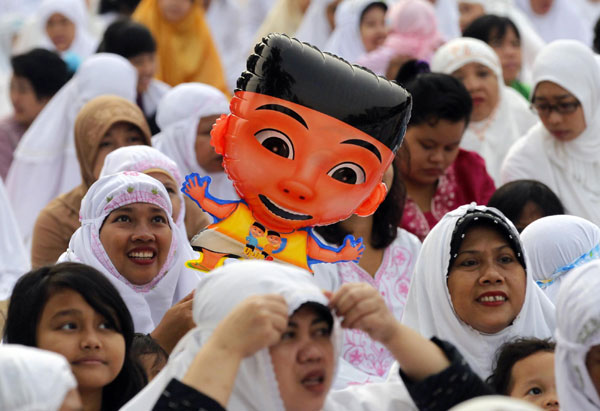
x=563, y=149
x=500, y=114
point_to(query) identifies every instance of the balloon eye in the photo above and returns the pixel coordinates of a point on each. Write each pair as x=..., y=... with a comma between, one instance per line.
x=348, y=173
x=276, y=142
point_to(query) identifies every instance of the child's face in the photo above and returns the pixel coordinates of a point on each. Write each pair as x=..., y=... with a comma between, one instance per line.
x=69, y=326
x=532, y=380
x=297, y=167
x=256, y=231
x=206, y=156
x=274, y=240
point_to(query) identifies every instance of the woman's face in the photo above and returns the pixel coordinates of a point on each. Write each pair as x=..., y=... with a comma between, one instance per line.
x=482, y=85
x=61, y=31
x=145, y=64
x=532, y=380
x=137, y=238
x=372, y=28
x=173, y=190
x=431, y=150
x=206, y=155
x=468, y=12
x=26, y=104
x=69, y=326
x=303, y=361
x=119, y=135
x=592, y=363
x=508, y=50
x=541, y=7
x=549, y=100
x=175, y=10
x=486, y=282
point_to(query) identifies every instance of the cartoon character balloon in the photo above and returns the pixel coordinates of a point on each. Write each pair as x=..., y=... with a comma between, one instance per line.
x=307, y=142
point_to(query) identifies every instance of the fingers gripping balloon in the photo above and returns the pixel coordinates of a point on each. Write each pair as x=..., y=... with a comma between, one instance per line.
x=307, y=142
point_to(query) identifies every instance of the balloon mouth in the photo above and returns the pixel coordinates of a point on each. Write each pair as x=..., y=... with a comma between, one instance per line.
x=282, y=212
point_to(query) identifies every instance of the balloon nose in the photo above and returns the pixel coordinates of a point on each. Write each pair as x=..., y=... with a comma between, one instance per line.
x=296, y=190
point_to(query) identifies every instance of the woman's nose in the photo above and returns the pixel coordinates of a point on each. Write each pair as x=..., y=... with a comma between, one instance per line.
x=310, y=352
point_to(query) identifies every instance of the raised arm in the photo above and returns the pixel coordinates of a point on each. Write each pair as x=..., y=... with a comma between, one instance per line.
x=196, y=188
x=352, y=250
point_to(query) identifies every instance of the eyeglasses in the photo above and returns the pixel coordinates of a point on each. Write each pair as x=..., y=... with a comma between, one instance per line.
x=545, y=109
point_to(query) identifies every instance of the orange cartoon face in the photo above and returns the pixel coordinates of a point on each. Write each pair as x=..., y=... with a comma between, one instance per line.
x=274, y=240
x=257, y=231
x=297, y=167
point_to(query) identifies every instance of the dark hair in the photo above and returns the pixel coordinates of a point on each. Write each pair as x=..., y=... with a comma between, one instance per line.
x=386, y=218
x=258, y=225
x=30, y=295
x=127, y=38
x=490, y=28
x=126, y=7
x=44, y=69
x=275, y=233
x=375, y=4
x=438, y=96
x=596, y=42
x=144, y=344
x=325, y=83
x=507, y=356
x=322, y=311
x=512, y=197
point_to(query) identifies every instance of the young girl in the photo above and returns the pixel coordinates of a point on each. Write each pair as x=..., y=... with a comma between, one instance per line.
x=386, y=264
x=73, y=310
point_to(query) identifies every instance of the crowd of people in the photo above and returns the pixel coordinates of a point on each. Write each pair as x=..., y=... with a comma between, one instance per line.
x=478, y=277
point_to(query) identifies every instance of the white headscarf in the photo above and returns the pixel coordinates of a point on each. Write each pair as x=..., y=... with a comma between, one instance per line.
x=178, y=116
x=146, y=159
x=571, y=168
x=429, y=309
x=45, y=164
x=256, y=385
x=446, y=12
x=531, y=42
x=577, y=317
x=345, y=40
x=495, y=403
x=562, y=21
x=32, y=379
x=84, y=44
x=492, y=137
x=315, y=28
x=556, y=245
x=147, y=303
x=14, y=261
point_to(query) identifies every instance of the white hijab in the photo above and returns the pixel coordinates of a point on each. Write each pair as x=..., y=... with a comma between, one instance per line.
x=429, y=309
x=577, y=317
x=32, y=379
x=14, y=261
x=492, y=137
x=147, y=303
x=345, y=40
x=178, y=116
x=531, y=42
x=315, y=28
x=256, y=386
x=446, y=12
x=556, y=245
x=45, y=164
x=571, y=168
x=562, y=21
x=84, y=44
x=495, y=403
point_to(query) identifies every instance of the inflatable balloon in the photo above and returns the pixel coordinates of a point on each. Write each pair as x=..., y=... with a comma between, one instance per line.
x=307, y=142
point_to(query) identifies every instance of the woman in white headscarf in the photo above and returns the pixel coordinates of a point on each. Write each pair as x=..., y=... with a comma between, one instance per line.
x=578, y=340
x=500, y=114
x=490, y=306
x=45, y=162
x=185, y=116
x=315, y=27
x=557, y=19
x=359, y=29
x=13, y=258
x=141, y=261
x=556, y=245
x=563, y=149
x=34, y=380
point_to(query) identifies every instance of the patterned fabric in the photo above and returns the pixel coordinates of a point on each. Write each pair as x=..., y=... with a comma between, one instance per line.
x=593, y=254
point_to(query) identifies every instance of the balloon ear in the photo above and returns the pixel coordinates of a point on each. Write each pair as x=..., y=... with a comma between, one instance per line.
x=369, y=206
x=217, y=134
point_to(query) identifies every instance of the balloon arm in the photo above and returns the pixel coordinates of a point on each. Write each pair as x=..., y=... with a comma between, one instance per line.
x=196, y=188
x=352, y=250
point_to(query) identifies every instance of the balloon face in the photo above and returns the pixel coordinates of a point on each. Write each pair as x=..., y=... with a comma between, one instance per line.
x=296, y=167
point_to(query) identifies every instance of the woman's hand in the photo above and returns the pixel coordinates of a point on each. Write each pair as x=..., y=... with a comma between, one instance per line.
x=363, y=308
x=176, y=322
x=255, y=323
